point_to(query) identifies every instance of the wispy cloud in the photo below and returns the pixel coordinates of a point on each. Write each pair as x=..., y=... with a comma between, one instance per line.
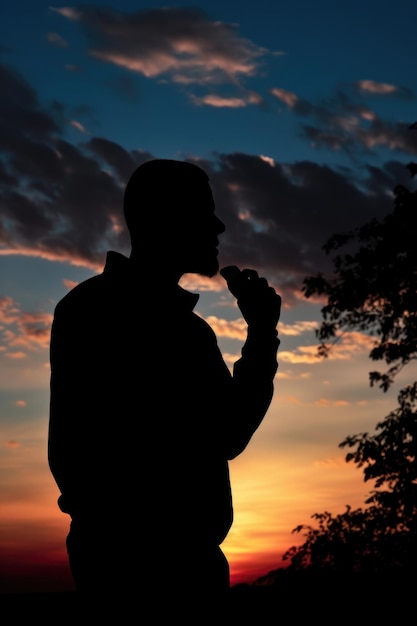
x=349, y=345
x=297, y=329
x=22, y=331
x=12, y=443
x=376, y=88
x=182, y=45
x=345, y=122
x=57, y=40
x=232, y=102
x=303, y=354
x=9, y=311
x=68, y=12
x=78, y=126
x=16, y=356
x=288, y=97
x=235, y=329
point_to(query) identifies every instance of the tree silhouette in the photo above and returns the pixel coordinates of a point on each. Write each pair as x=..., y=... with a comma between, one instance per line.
x=374, y=290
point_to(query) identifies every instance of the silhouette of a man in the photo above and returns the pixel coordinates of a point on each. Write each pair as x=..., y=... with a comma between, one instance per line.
x=144, y=413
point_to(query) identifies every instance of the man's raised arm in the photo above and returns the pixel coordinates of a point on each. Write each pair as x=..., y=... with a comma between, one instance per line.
x=254, y=372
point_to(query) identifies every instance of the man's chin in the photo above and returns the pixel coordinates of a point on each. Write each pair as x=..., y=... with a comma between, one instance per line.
x=209, y=269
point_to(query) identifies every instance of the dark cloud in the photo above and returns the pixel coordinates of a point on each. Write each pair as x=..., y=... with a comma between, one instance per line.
x=345, y=122
x=386, y=178
x=289, y=211
x=55, y=197
x=124, y=87
x=64, y=201
x=377, y=134
x=20, y=112
x=56, y=40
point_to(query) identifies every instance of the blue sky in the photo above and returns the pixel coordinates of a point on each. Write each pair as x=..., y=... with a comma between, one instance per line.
x=300, y=113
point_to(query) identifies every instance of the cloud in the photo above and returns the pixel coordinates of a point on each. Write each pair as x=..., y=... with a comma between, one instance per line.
x=68, y=12
x=12, y=444
x=278, y=217
x=63, y=201
x=57, y=198
x=76, y=124
x=371, y=86
x=218, y=101
x=235, y=329
x=30, y=331
x=324, y=402
x=382, y=89
x=288, y=97
x=267, y=159
x=182, y=45
x=346, y=123
x=35, y=329
x=303, y=354
x=9, y=311
x=57, y=40
x=17, y=356
x=331, y=463
x=230, y=359
x=70, y=284
x=349, y=344
x=124, y=87
x=20, y=111
x=193, y=282
x=298, y=328
x=72, y=67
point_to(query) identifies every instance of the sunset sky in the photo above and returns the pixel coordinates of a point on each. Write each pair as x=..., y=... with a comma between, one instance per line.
x=300, y=112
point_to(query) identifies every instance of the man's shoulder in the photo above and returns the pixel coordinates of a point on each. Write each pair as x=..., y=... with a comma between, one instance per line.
x=82, y=294
x=94, y=289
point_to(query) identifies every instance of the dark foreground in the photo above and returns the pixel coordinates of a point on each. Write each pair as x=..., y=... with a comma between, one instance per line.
x=374, y=600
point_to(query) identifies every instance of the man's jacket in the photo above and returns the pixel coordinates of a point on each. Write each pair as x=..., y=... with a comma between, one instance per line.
x=144, y=412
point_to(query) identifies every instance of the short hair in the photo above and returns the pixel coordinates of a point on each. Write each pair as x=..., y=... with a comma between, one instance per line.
x=160, y=184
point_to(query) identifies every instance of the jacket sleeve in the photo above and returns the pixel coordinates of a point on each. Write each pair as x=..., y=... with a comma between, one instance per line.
x=252, y=388
x=73, y=381
x=65, y=404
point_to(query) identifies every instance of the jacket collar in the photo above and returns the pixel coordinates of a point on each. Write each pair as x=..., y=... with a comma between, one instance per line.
x=120, y=268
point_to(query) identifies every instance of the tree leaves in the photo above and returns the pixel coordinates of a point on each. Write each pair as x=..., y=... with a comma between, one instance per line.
x=373, y=290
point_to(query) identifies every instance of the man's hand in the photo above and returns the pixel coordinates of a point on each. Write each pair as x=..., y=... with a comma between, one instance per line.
x=259, y=303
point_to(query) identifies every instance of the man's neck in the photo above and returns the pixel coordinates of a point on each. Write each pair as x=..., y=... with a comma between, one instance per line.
x=165, y=275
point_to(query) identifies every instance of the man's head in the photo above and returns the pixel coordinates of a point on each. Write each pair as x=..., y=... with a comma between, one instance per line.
x=169, y=206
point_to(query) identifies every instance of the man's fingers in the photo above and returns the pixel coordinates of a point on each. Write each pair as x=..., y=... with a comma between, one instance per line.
x=259, y=303
x=242, y=281
x=249, y=274
x=230, y=272
x=232, y=275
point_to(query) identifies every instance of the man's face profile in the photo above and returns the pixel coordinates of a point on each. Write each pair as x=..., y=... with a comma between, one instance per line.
x=197, y=231
x=174, y=201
